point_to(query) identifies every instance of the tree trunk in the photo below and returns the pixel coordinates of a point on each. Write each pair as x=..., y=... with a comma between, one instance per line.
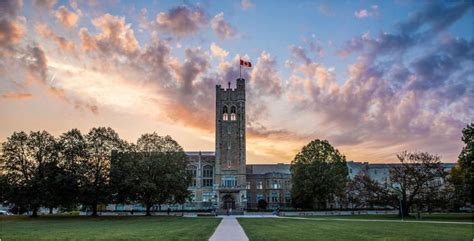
x=148, y=207
x=94, y=209
x=35, y=212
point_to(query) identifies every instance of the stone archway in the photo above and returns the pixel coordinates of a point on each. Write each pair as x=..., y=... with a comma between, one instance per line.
x=228, y=201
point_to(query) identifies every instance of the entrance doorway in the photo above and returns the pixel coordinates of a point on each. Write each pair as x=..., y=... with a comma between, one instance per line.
x=228, y=201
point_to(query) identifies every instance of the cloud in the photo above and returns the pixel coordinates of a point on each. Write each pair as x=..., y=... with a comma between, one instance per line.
x=222, y=28
x=67, y=18
x=10, y=8
x=246, y=4
x=17, y=96
x=218, y=51
x=11, y=32
x=45, y=4
x=196, y=62
x=181, y=21
x=46, y=32
x=115, y=37
x=265, y=79
x=364, y=13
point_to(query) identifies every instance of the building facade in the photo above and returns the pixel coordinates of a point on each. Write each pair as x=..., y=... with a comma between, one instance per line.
x=223, y=180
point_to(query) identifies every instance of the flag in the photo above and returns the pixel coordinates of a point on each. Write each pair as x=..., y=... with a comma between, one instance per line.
x=245, y=63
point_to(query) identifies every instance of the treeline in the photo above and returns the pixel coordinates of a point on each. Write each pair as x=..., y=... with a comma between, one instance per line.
x=72, y=170
x=419, y=182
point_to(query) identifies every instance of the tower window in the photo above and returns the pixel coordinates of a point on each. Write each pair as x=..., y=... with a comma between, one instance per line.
x=225, y=113
x=233, y=116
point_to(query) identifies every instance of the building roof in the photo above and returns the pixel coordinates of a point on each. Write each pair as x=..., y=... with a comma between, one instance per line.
x=268, y=168
x=202, y=153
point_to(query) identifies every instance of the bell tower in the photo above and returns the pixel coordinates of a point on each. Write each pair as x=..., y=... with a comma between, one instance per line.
x=230, y=146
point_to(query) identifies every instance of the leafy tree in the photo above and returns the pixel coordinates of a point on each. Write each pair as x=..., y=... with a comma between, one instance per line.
x=154, y=174
x=262, y=204
x=319, y=173
x=27, y=160
x=419, y=176
x=100, y=143
x=463, y=173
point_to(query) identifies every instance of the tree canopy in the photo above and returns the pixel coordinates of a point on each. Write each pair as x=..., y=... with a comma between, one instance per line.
x=319, y=175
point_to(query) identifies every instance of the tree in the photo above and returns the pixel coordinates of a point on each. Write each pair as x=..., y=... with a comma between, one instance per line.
x=155, y=173
x=319, y=173
x=464, y=170
x=419, y=176
x=100, y=143
x=27, y=160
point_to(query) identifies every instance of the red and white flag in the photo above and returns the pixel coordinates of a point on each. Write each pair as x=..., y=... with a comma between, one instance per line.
x=245, y=63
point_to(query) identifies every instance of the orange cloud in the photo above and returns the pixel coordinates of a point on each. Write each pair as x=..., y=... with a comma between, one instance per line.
x=67, y=18
x=17, y=96
x=11, y=32
x=46, y=32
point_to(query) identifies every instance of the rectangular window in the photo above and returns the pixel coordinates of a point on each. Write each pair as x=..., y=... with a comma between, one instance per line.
x=275, y=184
x=207, y=196
x=275, y=197
x=260, y=197
x=207, y=176
x=229, y=181
x=260, y=185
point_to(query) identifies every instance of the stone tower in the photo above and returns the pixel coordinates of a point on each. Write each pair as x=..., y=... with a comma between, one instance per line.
x=230, y=147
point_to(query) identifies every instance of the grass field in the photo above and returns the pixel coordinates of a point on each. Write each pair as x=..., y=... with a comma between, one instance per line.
x=444, y=217
x=310, y=229
x=107, y=228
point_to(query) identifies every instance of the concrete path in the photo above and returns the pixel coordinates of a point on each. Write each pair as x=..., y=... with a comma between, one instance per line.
x=229, y=230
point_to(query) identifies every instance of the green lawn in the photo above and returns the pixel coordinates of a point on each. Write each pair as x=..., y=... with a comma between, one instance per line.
x=310, y=229
x=107, y=228
x=444, y=217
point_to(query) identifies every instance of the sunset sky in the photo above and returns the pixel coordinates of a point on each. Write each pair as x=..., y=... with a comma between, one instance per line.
x=372, y=77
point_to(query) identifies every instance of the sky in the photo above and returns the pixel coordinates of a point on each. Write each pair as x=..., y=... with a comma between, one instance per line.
x=374, y=78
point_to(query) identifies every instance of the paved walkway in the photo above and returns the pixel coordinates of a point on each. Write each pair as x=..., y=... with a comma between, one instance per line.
x=229, y=230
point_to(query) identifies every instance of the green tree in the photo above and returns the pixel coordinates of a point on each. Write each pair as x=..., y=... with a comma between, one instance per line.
x=153, y=174
x=418, y=177
x=27, y=160
x=464, y=170
x=100, y=141
x=319, y=174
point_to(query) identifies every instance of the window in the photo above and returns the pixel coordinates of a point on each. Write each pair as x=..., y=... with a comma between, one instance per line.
x=207, y=196
x=275, y=184
x=248, y=185
x=260, y=185
x=193, y=171
x=275, y=197
x=260, y=196
x=207, y=176
x=350, y=170
x=225, y=113
x=288, y=197
x=233, y=116
x=229, y=181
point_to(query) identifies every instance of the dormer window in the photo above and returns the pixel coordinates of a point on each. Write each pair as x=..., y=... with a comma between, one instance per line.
x=233, y=116
x=225, y=114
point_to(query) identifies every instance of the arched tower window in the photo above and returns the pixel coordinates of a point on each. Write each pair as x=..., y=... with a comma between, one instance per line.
x=225, y=113
x=233, y=117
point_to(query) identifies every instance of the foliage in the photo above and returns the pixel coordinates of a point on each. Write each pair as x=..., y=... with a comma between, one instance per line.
x=319, y=173
x=262, y=204
x=155, y=173
x=463, y=176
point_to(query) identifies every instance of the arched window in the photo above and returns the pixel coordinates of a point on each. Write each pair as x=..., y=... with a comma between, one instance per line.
x=233, y=117
x=193, y=171
x=225, y=113
x=207, y=176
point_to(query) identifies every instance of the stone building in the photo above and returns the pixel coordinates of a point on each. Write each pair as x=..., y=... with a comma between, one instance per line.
x=223, y=180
